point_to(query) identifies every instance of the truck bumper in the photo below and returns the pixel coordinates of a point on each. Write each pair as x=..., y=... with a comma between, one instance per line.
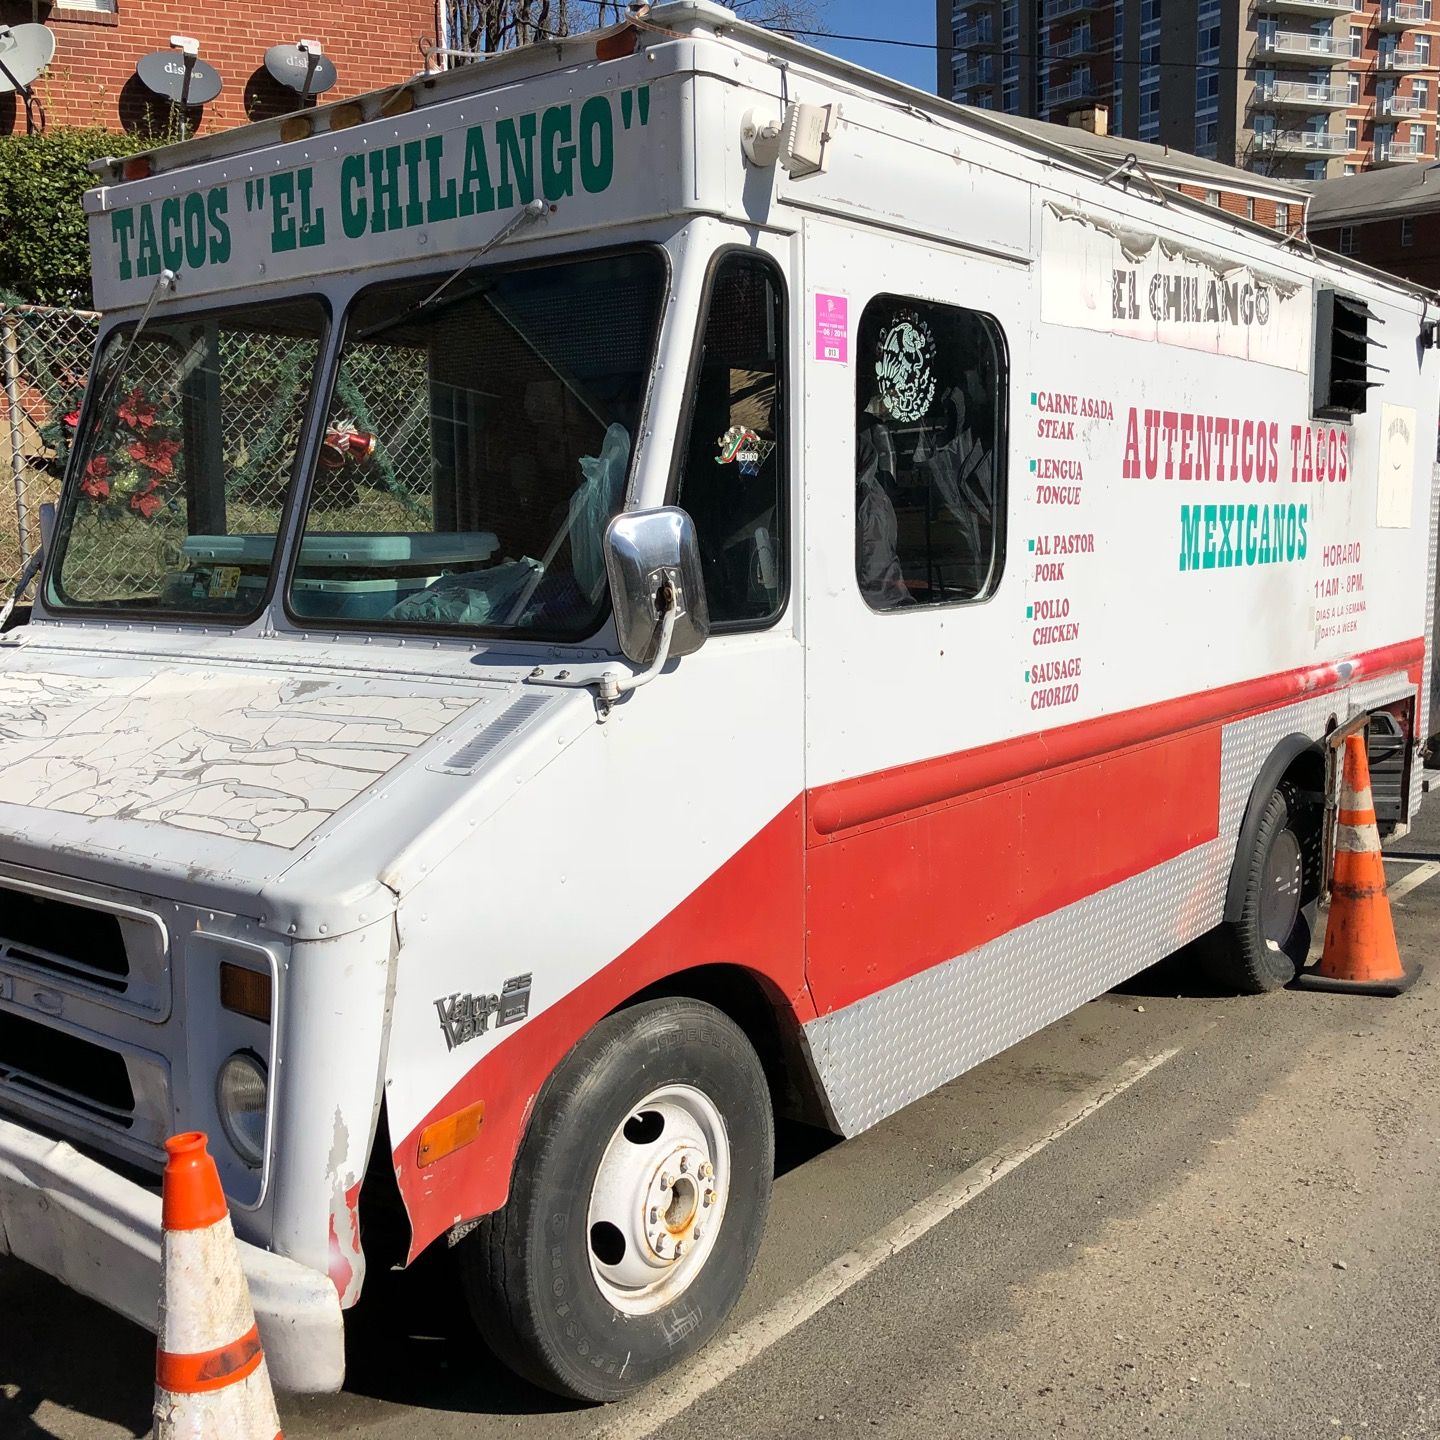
x=99, y=1234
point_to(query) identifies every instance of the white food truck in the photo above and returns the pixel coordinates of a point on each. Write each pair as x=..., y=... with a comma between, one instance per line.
x=650, y=583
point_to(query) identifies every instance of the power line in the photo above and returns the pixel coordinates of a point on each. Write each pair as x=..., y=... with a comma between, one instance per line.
x=1110, y=58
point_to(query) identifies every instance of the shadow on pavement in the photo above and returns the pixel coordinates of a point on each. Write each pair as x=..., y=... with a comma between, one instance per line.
x=70, y=1352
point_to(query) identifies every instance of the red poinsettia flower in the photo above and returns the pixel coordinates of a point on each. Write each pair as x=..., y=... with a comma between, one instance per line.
x=156, y=455
x=72, y=419
x=136, y=411
x=147, y=503
x=93, y=483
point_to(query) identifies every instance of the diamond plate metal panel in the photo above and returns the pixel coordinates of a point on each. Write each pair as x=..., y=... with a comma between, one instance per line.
x=875, y=1056
x=1417, y=771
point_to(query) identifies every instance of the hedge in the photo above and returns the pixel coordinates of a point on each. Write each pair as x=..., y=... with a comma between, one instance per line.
x=44, y=242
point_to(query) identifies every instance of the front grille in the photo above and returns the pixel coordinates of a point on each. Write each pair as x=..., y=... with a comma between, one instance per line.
x=61, y=1069
x=63, y=939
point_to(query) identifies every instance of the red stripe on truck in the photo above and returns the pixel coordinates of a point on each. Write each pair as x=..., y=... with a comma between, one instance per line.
x=892, y=873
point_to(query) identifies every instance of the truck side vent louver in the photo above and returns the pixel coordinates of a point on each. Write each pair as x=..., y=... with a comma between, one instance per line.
x=473, y=753
x=1343, y=369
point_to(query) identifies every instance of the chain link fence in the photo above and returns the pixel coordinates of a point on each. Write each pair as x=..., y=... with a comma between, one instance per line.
x=137, y=520
x=46, y=354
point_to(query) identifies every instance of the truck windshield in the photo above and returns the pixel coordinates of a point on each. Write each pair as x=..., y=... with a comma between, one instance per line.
x=181, y=475
x=476, y=446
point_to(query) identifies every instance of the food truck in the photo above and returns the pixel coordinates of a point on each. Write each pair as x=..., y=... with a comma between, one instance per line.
x=655, y=582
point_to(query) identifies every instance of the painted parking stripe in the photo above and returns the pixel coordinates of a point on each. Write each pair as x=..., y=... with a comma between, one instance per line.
x=1414, y=879
x=723, y=1358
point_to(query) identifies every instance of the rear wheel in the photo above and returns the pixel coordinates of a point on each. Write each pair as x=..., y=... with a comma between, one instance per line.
x=637, y=1205
x=1266, y=945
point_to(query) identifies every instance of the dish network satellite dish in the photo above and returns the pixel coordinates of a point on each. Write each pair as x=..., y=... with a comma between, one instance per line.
x=25, y=50
x=180, y=76
x=301, y=67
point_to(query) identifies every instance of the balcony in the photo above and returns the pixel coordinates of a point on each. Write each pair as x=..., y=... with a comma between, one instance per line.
x=1300, y=95
x=1079, y=87
x=1077, y=42
x=1059, y=9
x=974, y=77
x=1400, y=15
x=1400, y=61
x=1297, y=47
x=1316, y=9
x=1397, y=152
x=975, y=37
x=1399, y=105
x=1301, y=142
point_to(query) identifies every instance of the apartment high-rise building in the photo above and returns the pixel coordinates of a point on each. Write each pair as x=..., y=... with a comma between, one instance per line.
x=1296, y=89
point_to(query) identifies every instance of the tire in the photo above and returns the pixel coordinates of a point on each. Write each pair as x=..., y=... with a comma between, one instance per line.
x=1266, y=946
x=559, y=1280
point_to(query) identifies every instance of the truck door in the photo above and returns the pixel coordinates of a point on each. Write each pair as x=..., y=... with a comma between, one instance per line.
x=915, y=597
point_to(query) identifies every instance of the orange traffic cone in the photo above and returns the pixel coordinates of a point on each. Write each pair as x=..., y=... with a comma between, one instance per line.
x=210, y=1377
x=1360, y=955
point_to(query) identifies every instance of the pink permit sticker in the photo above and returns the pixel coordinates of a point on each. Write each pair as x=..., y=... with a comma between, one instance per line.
x=832, y=328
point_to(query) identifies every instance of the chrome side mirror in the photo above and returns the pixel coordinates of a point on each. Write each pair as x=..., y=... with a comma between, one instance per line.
x=652, y=558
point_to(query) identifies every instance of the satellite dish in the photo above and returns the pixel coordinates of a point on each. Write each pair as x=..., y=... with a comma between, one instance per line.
x=301, y=67
x=178, y=77
x=25, y=50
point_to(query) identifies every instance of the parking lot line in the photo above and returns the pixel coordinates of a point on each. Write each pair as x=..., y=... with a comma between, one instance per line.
x=725, y=1357
x=1414, y=879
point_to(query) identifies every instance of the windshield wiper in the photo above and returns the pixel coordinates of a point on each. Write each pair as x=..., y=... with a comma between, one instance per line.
x=533, y=211
x=164, y=282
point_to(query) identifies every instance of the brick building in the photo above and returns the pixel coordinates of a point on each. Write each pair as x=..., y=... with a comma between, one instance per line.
x=92, y=80
x=1389, y=219
x=1301, y=88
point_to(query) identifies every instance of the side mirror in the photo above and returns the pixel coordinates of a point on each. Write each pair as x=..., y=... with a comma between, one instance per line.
x=652, y=558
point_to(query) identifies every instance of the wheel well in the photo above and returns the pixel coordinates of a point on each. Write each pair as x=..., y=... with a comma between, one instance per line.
x=1297, y=759
x=766, y=1020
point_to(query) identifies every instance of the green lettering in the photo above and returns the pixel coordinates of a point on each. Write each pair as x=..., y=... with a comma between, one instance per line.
x=171, y=247
x=442, y=203
x=476, y=194
x=217, y=204
x=1207, y=561
x=312, y=218
x=1265, y=555
x=517, y=157
x=597, y=144
x=149, y=257
x=354, y=211
x=122, y=229
x=194, y=229
x=282, y=222
x=1189, y=537
x=557, y=153
x=1304, y=540
x=385, y=189
x=414, y=211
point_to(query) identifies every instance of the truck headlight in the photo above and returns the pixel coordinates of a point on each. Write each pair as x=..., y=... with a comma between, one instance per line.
x=240, y=1092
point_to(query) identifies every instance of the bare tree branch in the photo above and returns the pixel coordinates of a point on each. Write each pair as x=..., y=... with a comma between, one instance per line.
x=485, y=26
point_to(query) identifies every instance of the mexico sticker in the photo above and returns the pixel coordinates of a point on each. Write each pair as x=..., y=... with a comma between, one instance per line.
x=743, y=447
x=905, y=367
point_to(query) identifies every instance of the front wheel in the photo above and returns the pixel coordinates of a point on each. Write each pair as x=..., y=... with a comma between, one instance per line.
x=637, y=1205
x=1266, y=946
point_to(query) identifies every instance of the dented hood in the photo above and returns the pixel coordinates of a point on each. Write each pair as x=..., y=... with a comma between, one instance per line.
x=291, y=785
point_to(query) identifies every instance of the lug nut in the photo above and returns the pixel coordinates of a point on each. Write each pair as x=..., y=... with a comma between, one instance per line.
x=684, y=1163
x=679, y=1248
x=706, y=1170
x=696, y=1233
x=709, y=1197
x=660, y=1244
x=654, y=1215
x=666, y=1180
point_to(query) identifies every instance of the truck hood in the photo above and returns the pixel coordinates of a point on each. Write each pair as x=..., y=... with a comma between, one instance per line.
x=280, y=790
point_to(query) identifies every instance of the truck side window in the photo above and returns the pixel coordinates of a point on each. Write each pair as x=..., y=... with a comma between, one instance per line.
x=732, y=476
x=929, y=454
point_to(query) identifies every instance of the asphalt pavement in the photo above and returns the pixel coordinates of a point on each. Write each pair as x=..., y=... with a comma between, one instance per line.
x=1174, y=1213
